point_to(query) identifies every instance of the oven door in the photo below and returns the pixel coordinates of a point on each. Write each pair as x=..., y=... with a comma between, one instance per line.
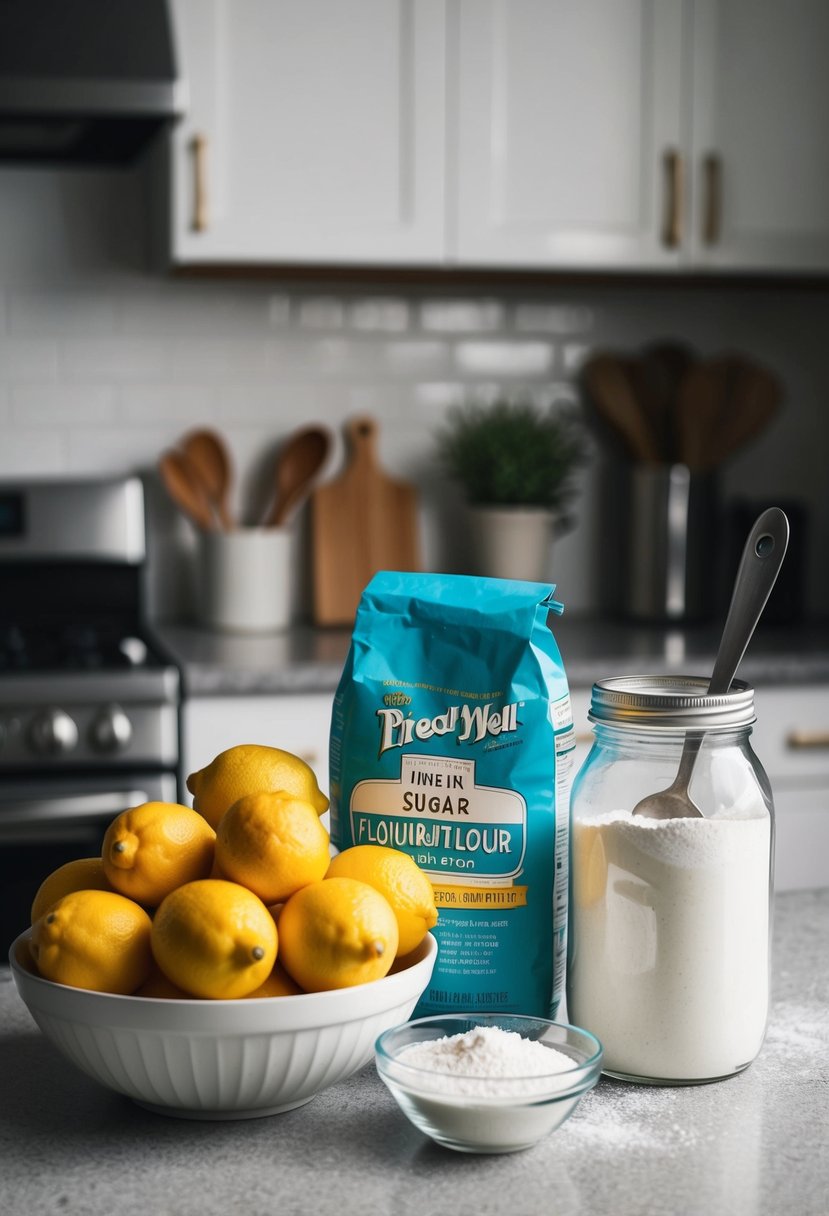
x=47, y=822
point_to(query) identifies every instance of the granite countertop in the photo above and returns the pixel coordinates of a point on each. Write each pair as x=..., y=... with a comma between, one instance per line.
x=754, y=1145
x=306, y=660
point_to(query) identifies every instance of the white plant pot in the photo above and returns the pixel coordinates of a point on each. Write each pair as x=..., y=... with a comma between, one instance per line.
x=512, y=542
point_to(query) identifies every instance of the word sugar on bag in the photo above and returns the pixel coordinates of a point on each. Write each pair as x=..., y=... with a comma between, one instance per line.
x=452, y=739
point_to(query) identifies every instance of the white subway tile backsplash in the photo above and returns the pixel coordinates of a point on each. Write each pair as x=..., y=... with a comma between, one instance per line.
x=32, y=453
x=103, y=377
x=113, y=359
x=462, y=316
x=27, y=360
x=320, y=313
x=233, y=359
x=62, y=405
x=380, y=315
x=279, y=311
x=417, y=357
x=558, y=319
x=496, y=358
x=194, y=311
x=177, y=405
x=117, y=450
x=61, y=313
x=573, y=354
x=438, y=396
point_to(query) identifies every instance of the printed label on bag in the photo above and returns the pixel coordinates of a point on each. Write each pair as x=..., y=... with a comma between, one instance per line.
x=449, y=824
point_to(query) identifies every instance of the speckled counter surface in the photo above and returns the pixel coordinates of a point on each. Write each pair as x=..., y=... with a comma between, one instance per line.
x=754, y=1145
x=306, y=660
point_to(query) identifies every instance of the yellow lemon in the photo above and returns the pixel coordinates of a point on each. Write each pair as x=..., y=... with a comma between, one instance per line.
x=151, y=849
x=273, y=844
x=337, y=933
x=278, y=983
x=159, y=987
x=251, y=768
x=397, y=876
x=214, y=939
x=94, y=939
x=85, y=874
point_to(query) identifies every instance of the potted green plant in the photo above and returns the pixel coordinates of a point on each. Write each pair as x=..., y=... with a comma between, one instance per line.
x=517, y=465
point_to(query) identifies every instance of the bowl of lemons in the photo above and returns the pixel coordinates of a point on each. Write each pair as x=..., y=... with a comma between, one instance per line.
x=216, y=962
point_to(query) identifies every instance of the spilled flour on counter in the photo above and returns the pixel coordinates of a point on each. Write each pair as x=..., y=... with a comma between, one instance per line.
x=617, y=1118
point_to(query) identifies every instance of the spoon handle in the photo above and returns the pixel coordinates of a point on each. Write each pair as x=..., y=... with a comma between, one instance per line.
x=760, y=564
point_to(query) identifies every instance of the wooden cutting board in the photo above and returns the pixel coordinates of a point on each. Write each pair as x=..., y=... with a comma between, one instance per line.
x=362, y=522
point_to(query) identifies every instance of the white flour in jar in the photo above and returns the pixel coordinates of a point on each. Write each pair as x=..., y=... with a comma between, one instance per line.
x=670, y=955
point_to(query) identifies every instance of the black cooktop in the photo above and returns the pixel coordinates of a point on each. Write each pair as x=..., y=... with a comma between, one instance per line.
x=72, y=616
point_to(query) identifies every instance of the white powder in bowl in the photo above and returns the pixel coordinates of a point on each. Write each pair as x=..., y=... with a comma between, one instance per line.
x=486, y=1061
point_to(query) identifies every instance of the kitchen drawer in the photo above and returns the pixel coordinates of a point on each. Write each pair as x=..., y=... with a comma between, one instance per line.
x=802, y=839
x=791, y=735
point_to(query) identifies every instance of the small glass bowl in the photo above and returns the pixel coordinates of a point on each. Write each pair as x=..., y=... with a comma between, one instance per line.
x=500, y=1115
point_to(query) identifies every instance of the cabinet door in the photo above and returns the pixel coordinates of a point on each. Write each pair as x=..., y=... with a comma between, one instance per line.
x=760, y=111
x=566, y=116
x=315, y=131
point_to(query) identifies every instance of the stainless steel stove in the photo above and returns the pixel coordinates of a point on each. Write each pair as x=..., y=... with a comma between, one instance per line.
x=89, y=703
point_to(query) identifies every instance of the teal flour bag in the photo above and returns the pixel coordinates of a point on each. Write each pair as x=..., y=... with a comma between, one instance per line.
x=452, y=740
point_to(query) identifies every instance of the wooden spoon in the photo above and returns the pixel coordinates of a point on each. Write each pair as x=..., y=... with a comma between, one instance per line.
x=656, y=377
x=702, y=403
x=606, y=379
x=208, y=454
x=297, y=465
x=755, y=399
x=185, y=487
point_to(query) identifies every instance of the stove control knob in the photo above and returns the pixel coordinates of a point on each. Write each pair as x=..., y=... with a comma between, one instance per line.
x=53, y=732
x=110, y=730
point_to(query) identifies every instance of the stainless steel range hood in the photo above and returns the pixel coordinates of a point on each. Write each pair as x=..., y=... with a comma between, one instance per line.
x=85, y=81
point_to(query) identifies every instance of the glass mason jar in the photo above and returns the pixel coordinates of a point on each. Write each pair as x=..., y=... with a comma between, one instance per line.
x=668, y=960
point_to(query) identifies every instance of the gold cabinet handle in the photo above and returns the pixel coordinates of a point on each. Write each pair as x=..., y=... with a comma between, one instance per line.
x=674, y=180
x=712, y=216
x=200, y=215
x=807, y=740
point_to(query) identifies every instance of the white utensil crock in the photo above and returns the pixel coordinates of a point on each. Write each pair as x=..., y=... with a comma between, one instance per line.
x=244, y=580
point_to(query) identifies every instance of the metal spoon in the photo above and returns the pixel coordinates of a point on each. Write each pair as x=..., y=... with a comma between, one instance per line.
x=297, y=465
x=186, y=489
x=210, y=458
x=759, y=566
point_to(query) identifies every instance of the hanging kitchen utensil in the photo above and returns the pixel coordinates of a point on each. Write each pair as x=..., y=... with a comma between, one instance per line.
x=185, y=487
x=208, y=454
x=362, y=522
x=299, y=462
x=607, y=383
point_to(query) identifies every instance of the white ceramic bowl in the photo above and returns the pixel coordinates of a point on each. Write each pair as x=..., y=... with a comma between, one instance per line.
x=221, y=1059
x=485, y=1115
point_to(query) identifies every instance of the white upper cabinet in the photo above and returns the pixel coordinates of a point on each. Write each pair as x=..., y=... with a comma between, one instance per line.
x=569, y=119
x=315, y=132
x=656, y=135
x=760, y=117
